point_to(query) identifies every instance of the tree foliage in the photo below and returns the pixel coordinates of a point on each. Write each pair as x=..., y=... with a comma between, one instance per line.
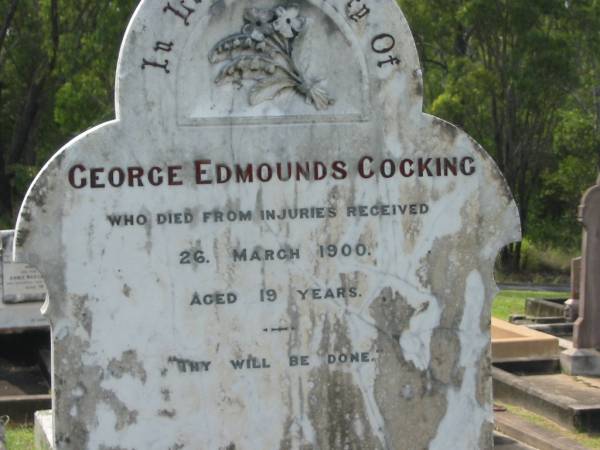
x=522, y=77
x=57, y=65
x=519, y=76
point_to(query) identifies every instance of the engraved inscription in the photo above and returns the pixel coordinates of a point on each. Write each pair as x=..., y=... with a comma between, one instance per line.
x=163, y=46
x=384, y=43
x=164, y=65
x=183, y=13
x=357, y=10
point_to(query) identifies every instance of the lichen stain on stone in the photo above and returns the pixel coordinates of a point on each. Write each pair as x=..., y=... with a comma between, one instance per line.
x=168, y=413
x=447, y=283
x=128, y=364
x=337, y=409
x=418, y=77
x=338, y=414
x=287, y=439
x=71, y=379
x=451, y=131
x=126, y=290
x=82, y=313
x=26, y=213
x=444, y=361
x=412, y=227
x=486, y=437
x=484, y=377
x=39, y=192
x=125, y=416
x=413, y=402
x=22, y=235
x=216, y=9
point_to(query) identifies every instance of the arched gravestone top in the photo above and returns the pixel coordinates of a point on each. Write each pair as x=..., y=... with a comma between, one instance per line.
x=297, y=258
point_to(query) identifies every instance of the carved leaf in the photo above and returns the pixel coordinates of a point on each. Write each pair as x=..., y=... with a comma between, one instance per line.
x=319, y=98
x=225, y=47
x=269, y=88
x=241, y=65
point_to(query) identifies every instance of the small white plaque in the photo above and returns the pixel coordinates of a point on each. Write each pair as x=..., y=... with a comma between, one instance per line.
x=20, y=282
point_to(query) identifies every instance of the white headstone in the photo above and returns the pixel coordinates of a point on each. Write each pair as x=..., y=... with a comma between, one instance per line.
x=271, y=247
x=22, y=290
x=19, y=282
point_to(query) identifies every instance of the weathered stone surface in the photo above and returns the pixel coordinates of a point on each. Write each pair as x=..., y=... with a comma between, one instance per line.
x=195, y=304
x=580, y=362
x=43, y=430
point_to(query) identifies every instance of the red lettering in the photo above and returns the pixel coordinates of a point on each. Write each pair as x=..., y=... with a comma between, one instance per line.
x=340, y=172
x=265, y=175
x=172, y=174
x=320, y=170
x=244, y=175
x=470, y=170
x=388, y=168
x=135, y=174
x=364, y=167
x=424, y=167
x=116, y=177
x=95, y=178
x=201, y=173
x=73, y=181
x=224, y=173
x=154, y=176
x=411, y=171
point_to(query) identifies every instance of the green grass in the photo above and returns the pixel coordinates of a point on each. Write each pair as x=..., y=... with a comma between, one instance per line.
x=19, y=438
x=591, y=441
x=507, y=303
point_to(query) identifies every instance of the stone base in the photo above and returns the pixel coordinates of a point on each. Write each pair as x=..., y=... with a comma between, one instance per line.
x=22, y=316
x=43, y=433
x=580, y=362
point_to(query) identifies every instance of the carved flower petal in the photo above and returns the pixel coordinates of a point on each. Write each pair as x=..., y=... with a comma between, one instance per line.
x=258, y=16
x=297, y=24
x=257, y=35
x=284, y=28
x=280, y=11
x=293, y=11
x=288, y=21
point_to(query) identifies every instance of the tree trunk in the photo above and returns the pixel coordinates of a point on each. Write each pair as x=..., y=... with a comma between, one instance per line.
x=6, y=206
x=25, y=123
x=516, y=257
x=7, y=21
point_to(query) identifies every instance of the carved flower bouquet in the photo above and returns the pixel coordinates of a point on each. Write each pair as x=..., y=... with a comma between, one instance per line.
x=264, y=52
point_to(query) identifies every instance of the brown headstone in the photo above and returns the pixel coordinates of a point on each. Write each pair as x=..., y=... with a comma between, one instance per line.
x=586, y=333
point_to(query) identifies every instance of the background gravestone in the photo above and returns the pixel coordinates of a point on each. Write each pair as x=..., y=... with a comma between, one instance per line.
x=584, y=357
x=272, y=246
x=19, y=282
x=22, y=290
